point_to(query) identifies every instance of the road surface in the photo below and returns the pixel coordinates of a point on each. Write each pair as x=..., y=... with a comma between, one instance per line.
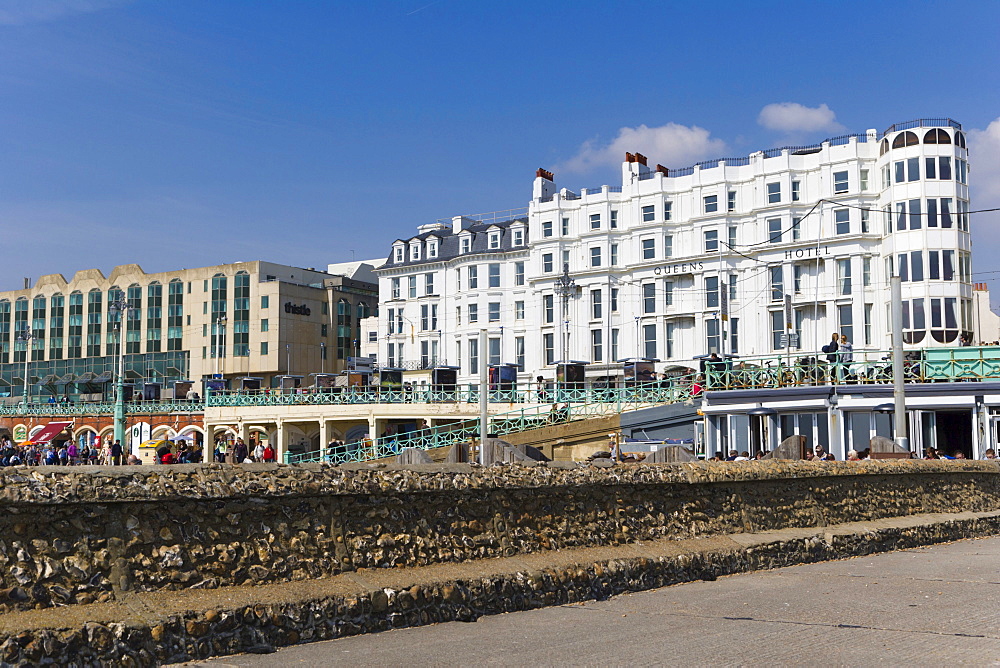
x=927, y=606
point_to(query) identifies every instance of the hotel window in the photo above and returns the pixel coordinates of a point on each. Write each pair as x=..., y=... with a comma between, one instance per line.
x=494, y=351
x=916, y=265
x=886, y=174
x=394, y=290
x=614, y=344
x=519, y=310
x=668, y=293
x=732, y=236
x=930, y=168
x=597, y=345
x=473, y=356
x=265, y=325
x=614, y=300
x=265, y=301
x=864, y=180
x=846, y=317
x=596, y=304
x=649, y=249
x=595, y=256
x=263, y=348
x=415, y=252
x=648, y=213
x=465, y=244
x=899, y=167
x=777, y=329
x=712, y=336
x=797, y=278
x=519, y=352
x=774, y=230
x=411, y=286
x=668, y=245
x=473, y=313
x=519, y=273
x=711, y=203
x=844, y=276
x=796, y=228
x=913, y=169
x=614, y=255
x=548, y=308
x=494, y=240
x=842, y=219
x=932, y=213
x=796, y=191
x=565, y=259
x=711, y=241
x=946, y=212
x=517, y=237
x=916, y=219
x=595, y=221
x=494, y=311
x=548, y=345
x=711, y=292
x=731, y=201
x=839, y=182
x=649, y=298
x=777, y=284
x=668, y=210
x=428, y=284
x=613, y=224
x=866, y=221
x=425, y=317
x=547, y=263
x=398, y=256
x=866, y=272
x=868, y=324
x=473, y=277
x=773, y=193
x=649, y=341
x=565, y=227
x=547, y=228
x=432, y=249
x=944, y=167
x=733, y=280
x=494, y=274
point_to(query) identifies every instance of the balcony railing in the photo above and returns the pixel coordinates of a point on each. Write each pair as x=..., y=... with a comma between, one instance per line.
x=103, y=408
x=933, y=365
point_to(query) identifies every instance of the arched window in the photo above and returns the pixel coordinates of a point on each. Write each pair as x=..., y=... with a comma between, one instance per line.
x=363, y=311
x=905, y=139
x=960, y=139
x=937, y=136
x=884, y=148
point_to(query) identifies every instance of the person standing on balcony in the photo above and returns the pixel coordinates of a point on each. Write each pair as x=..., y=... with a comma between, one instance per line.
x=846, y=356
x=830, y=350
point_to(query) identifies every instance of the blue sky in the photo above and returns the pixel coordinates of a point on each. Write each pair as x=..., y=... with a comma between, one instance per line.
x=178, y=134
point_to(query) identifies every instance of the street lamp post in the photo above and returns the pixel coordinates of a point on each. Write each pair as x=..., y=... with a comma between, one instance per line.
x=120, y=306
x=322, y=356
x=26, y=336
x=220, y=343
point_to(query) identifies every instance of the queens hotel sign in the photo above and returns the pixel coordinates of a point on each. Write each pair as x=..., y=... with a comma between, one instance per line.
x=697, y=267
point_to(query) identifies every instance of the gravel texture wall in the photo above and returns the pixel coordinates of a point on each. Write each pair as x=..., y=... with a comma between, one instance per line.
x=81, y=534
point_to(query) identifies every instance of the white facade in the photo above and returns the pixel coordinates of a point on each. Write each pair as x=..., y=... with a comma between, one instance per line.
x=824, y=225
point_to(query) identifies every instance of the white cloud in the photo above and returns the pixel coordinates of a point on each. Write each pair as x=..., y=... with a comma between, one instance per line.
x=20, y=12
x=792, y=117
x=984, y=184
x=672, y=144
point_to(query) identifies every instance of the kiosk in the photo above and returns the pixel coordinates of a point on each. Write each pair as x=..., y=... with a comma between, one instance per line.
x=444, y=379
x=639, y=371
x=503, y=377
x=248, y=383
x=570, y=375
x=390, y=380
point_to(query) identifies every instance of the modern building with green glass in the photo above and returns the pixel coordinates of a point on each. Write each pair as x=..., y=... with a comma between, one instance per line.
x=227, y=322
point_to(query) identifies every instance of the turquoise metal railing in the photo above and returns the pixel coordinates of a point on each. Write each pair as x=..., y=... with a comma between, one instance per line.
x=571, y=405
x=972, y=363
x=103, y=408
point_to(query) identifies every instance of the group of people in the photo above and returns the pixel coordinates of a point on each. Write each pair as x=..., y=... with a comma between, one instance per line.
x=65, y=453
x=241, y=453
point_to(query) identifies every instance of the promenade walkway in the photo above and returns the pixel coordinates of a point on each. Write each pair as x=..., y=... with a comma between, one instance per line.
x=924, y=606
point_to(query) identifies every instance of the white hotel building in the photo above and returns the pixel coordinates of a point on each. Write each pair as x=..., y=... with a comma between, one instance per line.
x=654, y=263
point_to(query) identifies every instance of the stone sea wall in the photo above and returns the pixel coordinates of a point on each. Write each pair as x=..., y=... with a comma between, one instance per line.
x=81, y=535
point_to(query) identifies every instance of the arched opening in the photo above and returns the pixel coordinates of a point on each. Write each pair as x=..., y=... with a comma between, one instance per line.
x=905, y=139
x=937, y=136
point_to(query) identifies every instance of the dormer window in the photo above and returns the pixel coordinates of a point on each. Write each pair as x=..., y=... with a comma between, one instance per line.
x=494, y=240
x=397, y=254
x=432, y=248
x=517, y=237
x=465, y=244
x=415, y=251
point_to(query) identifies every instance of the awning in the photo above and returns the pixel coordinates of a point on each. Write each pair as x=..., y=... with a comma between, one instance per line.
x=50, y=379
x=87, y=377
x=68, y=378
x=104, y=377
x=49, y=431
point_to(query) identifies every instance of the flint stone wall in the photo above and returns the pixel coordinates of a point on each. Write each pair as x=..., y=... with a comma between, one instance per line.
x=78, y=535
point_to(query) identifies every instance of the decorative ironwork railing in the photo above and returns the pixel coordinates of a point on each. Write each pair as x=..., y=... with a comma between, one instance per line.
x=560, y=406
x=103, y=408
x=932, y=365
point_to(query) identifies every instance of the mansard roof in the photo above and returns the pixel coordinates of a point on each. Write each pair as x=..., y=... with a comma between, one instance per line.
x=448, y=247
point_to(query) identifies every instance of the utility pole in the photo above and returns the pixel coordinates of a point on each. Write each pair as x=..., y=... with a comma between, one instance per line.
x=898, y=381
x=120, y=306
x=26, y=336
x=565, y=287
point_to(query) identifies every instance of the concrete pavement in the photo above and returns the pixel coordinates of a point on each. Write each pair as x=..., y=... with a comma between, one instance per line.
x=925, y=606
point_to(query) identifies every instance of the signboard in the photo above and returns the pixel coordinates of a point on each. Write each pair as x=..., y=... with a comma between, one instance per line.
x=138, y=433
x=20, y=433
x=788, y=311
x=360, y=363
x=637, y=373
